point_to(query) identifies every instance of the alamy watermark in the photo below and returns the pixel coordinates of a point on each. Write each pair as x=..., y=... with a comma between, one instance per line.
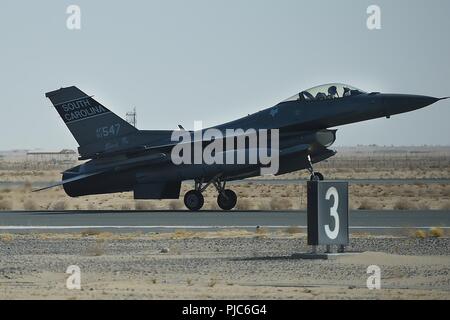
x=73, y=282
x=233, y=146
x=73, y=21
x=374, y=280
x=374, y=19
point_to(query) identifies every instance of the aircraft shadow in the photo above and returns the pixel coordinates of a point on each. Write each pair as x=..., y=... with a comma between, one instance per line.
x=68, y=212
x=264, y=258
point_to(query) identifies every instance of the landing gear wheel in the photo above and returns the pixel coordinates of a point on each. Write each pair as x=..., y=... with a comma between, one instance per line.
x=227, y=199
x=316, y=176
x=193, y=200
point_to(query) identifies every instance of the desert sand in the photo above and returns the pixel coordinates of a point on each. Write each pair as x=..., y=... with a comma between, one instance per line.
x=218, y=265
x=19, y=175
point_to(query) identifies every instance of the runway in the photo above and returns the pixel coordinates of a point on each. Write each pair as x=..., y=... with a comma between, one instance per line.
x=160, y=221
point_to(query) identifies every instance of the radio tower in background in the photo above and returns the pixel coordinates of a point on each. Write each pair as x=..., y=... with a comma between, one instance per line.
x=131, y=117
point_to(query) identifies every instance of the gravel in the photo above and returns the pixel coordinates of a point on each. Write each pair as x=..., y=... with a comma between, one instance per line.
x=240, y=261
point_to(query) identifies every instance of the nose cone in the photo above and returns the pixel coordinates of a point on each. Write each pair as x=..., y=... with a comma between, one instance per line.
x=400, y=103
x=418, y=102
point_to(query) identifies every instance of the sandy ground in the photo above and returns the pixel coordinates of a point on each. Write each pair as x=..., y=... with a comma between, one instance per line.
x=218, y=265
x=250, y=197
x=362, y=162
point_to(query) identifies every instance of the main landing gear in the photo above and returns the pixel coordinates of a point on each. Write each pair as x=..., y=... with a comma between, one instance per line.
x=315, y=176
x=194, y=200
x=226, y=198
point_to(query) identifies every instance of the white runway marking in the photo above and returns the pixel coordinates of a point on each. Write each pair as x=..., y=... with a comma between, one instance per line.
x=191, y=227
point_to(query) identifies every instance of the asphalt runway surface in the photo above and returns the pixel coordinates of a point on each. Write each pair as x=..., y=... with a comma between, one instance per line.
x=160, y=221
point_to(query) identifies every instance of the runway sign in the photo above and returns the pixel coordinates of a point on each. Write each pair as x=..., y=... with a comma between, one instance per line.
x=327, y=212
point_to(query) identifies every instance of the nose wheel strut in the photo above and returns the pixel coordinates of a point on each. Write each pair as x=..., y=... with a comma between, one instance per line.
x=315, y=176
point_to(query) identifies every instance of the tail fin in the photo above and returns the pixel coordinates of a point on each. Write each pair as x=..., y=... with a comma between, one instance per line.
x=95, y=128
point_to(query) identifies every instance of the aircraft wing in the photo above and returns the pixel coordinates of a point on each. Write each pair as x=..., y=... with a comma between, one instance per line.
x=161, y=147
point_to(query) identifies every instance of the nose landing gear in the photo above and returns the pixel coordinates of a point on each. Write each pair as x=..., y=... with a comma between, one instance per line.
x=315, y=176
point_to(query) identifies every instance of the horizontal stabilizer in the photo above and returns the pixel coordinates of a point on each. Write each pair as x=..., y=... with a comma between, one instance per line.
x=76, y=178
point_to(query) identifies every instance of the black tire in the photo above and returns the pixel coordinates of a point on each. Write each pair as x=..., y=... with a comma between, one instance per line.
x=227, y=199
x=193, y=200
x=317, y=176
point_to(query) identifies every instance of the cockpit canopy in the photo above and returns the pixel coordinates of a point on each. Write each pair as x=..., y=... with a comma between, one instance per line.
x=326, y=91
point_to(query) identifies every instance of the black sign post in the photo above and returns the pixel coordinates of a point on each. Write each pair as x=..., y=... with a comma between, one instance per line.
x=327, y=213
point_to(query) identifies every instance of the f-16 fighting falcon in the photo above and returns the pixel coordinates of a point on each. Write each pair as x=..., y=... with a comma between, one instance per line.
x=122, y=158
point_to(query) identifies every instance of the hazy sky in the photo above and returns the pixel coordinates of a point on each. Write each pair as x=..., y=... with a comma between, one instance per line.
x=180, y=61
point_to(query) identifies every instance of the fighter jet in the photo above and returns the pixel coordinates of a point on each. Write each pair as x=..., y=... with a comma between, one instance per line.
x=121, y=158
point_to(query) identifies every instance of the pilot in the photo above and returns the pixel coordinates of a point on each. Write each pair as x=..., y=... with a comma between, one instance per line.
x=347, y=92
x=332, y=92
x=321, y=96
